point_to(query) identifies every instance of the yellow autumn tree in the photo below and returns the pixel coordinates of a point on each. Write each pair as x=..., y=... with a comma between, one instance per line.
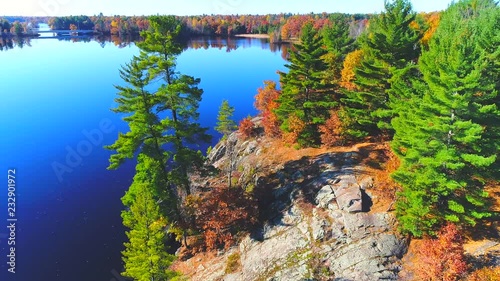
x=352, y=60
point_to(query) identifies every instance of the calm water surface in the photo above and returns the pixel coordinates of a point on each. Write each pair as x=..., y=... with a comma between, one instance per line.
x=54, y=120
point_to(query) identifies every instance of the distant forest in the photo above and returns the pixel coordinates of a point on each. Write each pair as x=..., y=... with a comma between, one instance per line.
x=280, y=27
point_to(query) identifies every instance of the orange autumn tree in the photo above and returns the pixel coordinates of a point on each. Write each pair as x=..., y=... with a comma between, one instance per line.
x=426, y=24
x=432, y=21
x=442, y=259
x=266, y=103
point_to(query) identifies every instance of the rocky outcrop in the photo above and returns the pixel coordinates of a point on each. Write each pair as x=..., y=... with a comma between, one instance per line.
x=317, y=222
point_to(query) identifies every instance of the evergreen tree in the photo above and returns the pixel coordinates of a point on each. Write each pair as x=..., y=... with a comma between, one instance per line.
x=448, y=138
x=390, y=49
x=146, y=130
x=225, y=125
x=145, y=254
x=163, y=116
x=178, y=96
x=338, y=43
x=304, y=92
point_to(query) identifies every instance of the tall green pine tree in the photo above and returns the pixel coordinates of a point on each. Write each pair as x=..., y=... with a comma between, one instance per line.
x=391, y=48
x=146, y=130
x=178, y=96
x=304, y=91
x=448, y=139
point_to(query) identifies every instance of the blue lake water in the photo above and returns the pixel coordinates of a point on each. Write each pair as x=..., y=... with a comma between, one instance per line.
x=54, y=120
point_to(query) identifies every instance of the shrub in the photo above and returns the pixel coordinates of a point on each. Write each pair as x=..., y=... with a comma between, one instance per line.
x=331, y=131
x=295, y=127
x=443, y=258
x=223, y=212
x=233, y=262
x=246, y=127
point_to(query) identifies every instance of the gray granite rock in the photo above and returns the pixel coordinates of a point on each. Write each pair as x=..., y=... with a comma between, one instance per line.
x=330, y=231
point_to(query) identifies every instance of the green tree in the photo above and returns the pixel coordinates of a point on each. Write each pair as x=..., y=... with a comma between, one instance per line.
x=391, y=48
x=145, y=254
x=338, y=43
x=178, y=96
x=4, y=25
x=146, y=129
x=225, y=123
x=17, y=28
x=448, y=138
x=304, y=93
x=162, y=112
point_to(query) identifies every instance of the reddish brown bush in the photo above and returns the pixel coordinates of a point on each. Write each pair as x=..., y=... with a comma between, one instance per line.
x=246, y=127
x=442, y=258
x=331, y=131
x=224, y=212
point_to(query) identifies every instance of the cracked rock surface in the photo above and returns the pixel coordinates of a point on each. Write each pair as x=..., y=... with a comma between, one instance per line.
x=318, y=225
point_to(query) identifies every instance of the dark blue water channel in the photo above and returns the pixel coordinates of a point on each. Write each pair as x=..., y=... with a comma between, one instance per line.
x=54, y=120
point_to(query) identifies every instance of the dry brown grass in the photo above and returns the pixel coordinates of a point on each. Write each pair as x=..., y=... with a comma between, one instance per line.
x=380, y=162
x=276, y=152
x=189, y=267
x=485, y=274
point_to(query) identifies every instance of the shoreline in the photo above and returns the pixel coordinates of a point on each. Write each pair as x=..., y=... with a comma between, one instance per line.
x=261, y=36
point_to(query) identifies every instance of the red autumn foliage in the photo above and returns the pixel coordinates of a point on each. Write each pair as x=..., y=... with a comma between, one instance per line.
x=224, y=212
x=443, y=258
x=331, y=131
x=266, y=103
x=246, y=127
x=293, y=26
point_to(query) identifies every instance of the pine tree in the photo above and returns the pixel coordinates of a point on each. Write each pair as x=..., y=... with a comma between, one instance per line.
x=176, y=100
x=304, y=92
x=146, y=130
x=225, y=125
x=390, y=49
x=338, y=43
x=145, y=256
x=178, y=96
x=448, y=138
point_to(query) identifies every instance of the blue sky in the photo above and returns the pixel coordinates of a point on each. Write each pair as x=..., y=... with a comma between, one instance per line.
x=196, y=7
